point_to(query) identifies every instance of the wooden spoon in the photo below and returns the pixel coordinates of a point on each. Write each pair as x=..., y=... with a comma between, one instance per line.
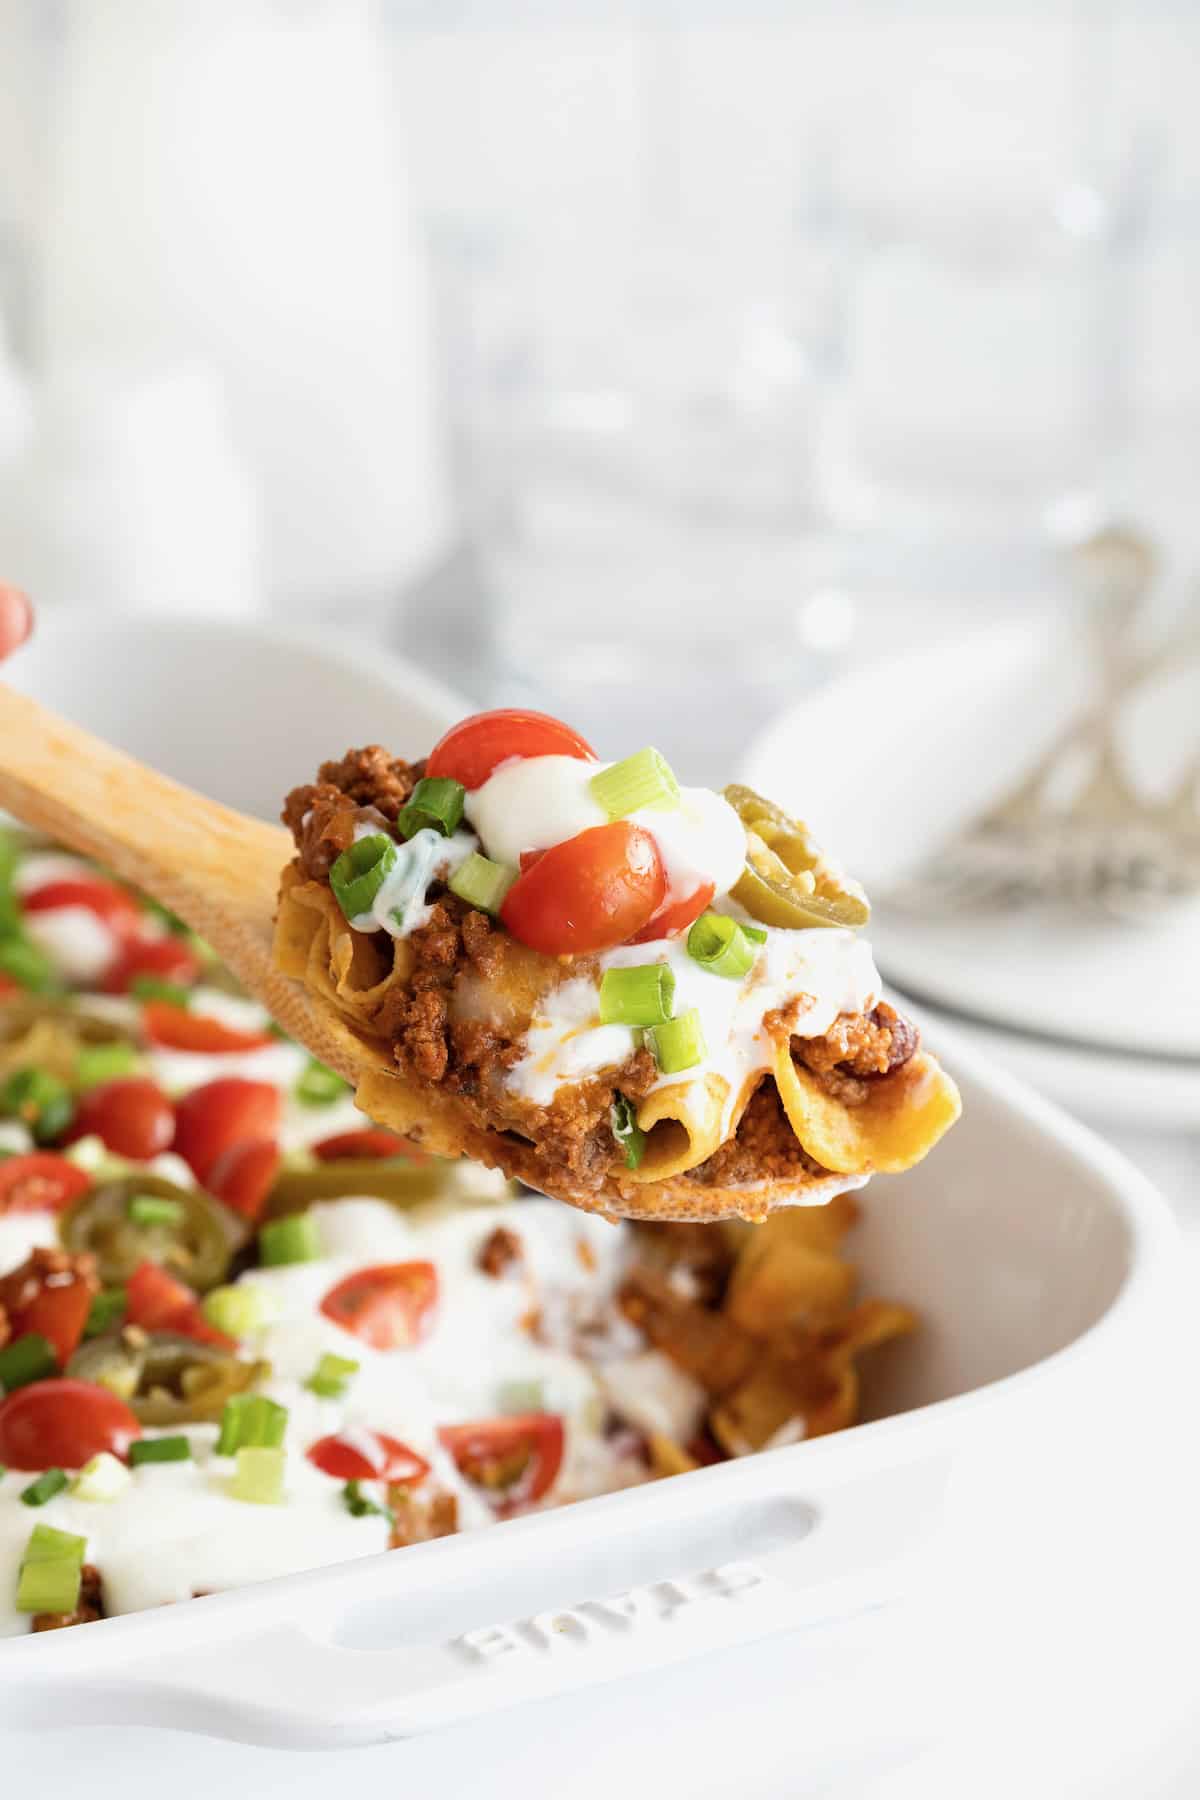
x=216, y=868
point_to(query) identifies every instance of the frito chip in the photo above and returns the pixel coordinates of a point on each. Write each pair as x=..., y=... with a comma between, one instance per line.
x=899, y=1120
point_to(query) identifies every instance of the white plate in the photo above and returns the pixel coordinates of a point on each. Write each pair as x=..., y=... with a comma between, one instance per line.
x=888, y=761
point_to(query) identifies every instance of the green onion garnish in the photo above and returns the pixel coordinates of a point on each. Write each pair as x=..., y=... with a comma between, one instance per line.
x=627, y=1131
x=155, y=1209
x=51, y=1571
x=156, y=1450
x=251, y=1421
x=40, y=1100
x=259, y=1475
x=27, y=965
x=319, y=1086
x=721, y=946
x=359, y=1505
x=28, y=1358
x=103, y=1062
x=436, y=803
x=47, y=1484
x=642, y=780
x=678, y=1044
x=755, y=933
x=107, y=1308
x=359, y=873
x=331, y=1376
x=152, y=987
x=482, y=883
x=102, y=1477
x=237, y=1311
x=291, y=1240
x=644, y=995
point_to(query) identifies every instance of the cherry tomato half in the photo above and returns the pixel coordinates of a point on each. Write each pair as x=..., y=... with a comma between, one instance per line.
x=131, y=1114
x=62, y=1423
x=156, y=1301
x=591, y=892
x=346, y=1461
x=389, y=1306
x=243, y=1175
x=514, y=1459
x=59, y=1313
x=475, y=747
x=40, y=1181
x=371, y=1141
x=175, y=1028
x=111, y=904
x=221, y=1113
x=166, y=959
x=677, y=916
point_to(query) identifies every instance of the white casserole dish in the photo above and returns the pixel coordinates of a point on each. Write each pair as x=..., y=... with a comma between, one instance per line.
x=1039, y=1259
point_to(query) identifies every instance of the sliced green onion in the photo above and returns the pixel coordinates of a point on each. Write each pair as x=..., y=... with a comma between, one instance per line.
x=678, y=1044
x=51, y=1571
x=627, y=1131
x=755, y=933
x=644, y=995
x=155, y=1209
x=482, y=883
x=259, y=1475
x=40, y=1100
x=158, y=1450
x=319, y=1086
x=291, y=1240
x=27, y=965
x=642, y=780
x=101, y=1478
x=153, y=987
x=48, y=1483
x=107, y=1309
x=251, y=1421
x=331, y=1376
x=28, y=1358
x=436, y=803
x=360, y=1505
x=721, y=947
x=359, y=873
x=103, y=1062
x=237, y=1311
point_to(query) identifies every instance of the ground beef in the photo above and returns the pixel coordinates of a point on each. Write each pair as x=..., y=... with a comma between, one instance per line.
x=89, y=1608
x=418, y=1518
x=764, y=1147
x=860, y=1044
x=499, y=1251
x=366, y=786
x=41, y=1270
x=371, y=777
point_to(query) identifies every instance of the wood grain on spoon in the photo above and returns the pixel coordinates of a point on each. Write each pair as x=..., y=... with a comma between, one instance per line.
x=216, y=868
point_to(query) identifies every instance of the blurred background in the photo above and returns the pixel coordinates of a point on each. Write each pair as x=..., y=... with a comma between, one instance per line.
x=812, y=387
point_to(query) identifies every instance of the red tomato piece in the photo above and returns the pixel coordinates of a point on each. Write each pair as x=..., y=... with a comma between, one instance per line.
x=346, y=1461
x=591, y=892
x=243, y=1175
x=389, y=1306
x=59, y=1313
x=677, y=916
x=475, y=747
x=221, y=1113
x=156, y=1301
x=111, y=904
x=371, y=1141
x=514, y=1459
x=528, y=858
x=40, y=1181
x=61, y=1424
x=131, y=1114
x=175, y=1028
x=166, y=959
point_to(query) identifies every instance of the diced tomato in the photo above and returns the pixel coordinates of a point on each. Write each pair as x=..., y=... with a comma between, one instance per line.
x=389, y=1306
x=528, y=858
x=677, y=916
x=514, y=1459
x=156, y=1301
x=40, y=1181
x=475, y=747
x=591, y=892
x=165, y=959
x=346, y=1461
x=175, y=1028
x=243, y=1175
x=131, y=1114
x=371, y=1141
x=62, y=1424
x=228, y=1111
x=111, y=904
x=59, y=1313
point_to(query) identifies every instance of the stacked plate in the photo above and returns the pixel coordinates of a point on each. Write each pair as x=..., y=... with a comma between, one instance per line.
x=888, y=762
